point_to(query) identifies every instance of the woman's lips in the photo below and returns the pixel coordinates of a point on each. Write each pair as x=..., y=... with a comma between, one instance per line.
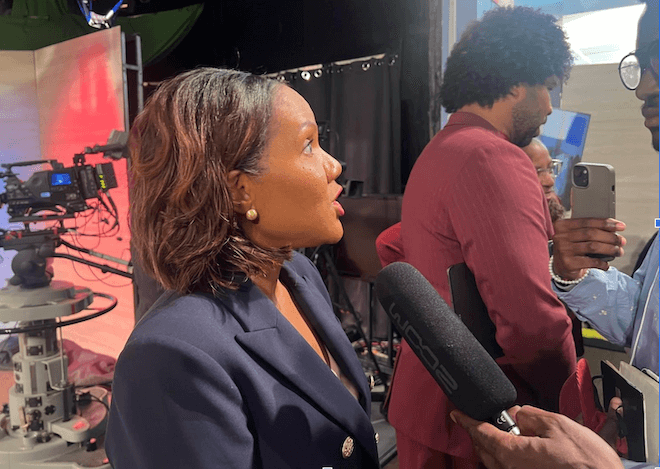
x=338, y=207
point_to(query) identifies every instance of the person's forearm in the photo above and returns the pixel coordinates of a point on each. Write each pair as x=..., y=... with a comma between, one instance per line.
x=607, y=300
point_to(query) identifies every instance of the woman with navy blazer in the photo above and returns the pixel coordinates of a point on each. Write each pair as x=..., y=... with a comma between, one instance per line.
x=241, y=363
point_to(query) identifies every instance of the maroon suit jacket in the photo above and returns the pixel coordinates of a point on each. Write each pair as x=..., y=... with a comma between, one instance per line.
x=388, y=245
x=474, y=197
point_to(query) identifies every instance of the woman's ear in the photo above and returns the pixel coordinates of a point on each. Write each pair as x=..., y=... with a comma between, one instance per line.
x=239, y=188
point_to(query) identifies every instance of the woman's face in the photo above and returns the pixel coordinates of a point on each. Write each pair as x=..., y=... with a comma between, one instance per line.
x=295, y=197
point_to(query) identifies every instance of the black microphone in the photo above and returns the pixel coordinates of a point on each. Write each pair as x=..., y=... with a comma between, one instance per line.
x=467, y=374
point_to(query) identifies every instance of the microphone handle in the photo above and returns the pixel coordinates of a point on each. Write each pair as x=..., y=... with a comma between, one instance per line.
x=504, y=422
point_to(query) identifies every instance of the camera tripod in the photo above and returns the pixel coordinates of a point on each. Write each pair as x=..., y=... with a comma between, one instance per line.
x=40, y=425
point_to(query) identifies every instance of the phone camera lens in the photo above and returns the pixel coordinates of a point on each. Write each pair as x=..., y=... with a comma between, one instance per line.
x=580, y=176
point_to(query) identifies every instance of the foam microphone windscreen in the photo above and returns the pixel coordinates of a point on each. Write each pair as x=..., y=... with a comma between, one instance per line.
x=468, y=375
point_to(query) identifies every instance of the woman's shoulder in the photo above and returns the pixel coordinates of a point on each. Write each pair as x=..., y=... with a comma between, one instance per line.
x=182, y=338
x=198, y=319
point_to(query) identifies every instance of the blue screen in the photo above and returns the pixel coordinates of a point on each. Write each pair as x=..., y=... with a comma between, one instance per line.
x=60, y=179
x=565, y=134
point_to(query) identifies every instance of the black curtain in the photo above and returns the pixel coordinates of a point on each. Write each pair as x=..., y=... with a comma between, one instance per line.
x=357, y=104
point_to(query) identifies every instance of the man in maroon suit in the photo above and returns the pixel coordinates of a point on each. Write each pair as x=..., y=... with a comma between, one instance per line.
x=473, y=196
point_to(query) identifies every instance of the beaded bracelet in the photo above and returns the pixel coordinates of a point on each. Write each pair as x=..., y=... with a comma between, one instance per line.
x=560, y=280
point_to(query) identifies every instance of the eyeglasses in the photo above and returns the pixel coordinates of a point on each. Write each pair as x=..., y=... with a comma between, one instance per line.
x=553, y=170
x=633, y=65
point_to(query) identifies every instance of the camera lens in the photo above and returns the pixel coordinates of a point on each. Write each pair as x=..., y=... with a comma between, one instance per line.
x=580, y=176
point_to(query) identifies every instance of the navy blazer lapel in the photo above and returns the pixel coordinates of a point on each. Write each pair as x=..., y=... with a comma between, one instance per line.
x=276, y=342
x=327, y=325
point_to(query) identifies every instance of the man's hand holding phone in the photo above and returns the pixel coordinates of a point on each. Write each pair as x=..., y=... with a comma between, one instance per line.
x=576, y=238
x=589, y=239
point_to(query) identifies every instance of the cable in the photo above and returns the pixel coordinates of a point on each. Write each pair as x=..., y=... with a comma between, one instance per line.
x=61, y=323
x=75, y=269
x=91, y=397
x=103, y=383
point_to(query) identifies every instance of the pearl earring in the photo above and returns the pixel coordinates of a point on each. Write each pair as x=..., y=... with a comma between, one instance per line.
x=251, y=214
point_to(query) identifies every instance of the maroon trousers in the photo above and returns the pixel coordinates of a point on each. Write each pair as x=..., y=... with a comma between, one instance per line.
x=414, y=455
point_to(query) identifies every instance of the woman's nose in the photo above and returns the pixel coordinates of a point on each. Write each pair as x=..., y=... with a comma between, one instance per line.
x=333, y=167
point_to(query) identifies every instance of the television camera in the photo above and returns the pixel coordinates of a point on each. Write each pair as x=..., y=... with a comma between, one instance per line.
x=59, y=189
x=43, y=424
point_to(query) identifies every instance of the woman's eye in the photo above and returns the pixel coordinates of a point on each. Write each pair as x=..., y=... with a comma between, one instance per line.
x=308, y=147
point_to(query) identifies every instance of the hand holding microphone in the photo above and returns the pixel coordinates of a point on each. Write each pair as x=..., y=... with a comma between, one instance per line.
x=549, y=441
x=476, y=385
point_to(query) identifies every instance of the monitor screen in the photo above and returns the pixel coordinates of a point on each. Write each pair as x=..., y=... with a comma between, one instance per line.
x=60, y=179
x=564, y=134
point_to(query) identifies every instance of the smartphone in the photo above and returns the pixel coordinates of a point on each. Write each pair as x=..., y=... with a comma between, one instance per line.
x=593, y=194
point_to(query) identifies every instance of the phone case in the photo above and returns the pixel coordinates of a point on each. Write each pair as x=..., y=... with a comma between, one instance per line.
x=597, y=199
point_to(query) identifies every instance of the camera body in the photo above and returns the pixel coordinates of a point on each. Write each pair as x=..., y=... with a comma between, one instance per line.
x=58, y=189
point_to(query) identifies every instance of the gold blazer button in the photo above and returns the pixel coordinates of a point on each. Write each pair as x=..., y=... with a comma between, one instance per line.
x=348, y=447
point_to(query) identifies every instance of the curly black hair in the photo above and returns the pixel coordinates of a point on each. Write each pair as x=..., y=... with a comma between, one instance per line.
x=507, y=47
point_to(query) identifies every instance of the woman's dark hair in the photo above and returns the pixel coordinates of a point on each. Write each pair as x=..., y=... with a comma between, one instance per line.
x=507, y=47
x=195, y=129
